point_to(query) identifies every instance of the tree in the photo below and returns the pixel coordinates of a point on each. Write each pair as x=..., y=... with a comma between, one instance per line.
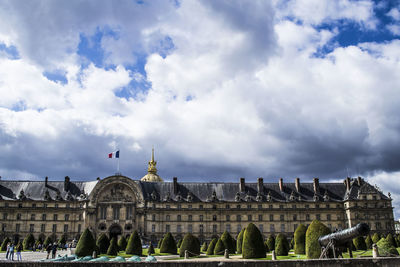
x=271, y=242
x=103, y=243
x=375, y=238
x=168, y=244
x=122, y=243
x=219, y=248
x=211, y=246
x=266, y=246
x=62, y=241
x=47, y=242
x=191, y=244
x=204, y=247
x=386, y=248
x=281, y=245
x=239, y=242
x=86, y=244
x=315, y=231
x=151, y=249
x=359, y=243
x=28, y=242
x=4, y=244
x=368, y=242
x=113, y=248
x=229, y=242
x=253, y=244
x=390, y=239
x=159, y=243
x=300, y=239
x=134, y=245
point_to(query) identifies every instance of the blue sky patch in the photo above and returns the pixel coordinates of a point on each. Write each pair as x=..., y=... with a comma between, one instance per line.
x=56, y=76
x=11, y=51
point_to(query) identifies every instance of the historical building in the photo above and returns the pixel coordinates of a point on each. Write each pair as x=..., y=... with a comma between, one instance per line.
x=118, y=205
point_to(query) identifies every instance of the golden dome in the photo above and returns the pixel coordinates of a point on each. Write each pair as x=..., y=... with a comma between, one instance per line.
x=152, y=175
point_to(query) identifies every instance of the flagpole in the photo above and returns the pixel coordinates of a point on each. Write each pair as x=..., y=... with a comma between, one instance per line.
x=118, y=166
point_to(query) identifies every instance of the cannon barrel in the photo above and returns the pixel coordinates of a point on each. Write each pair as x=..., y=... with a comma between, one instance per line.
x=344, y=236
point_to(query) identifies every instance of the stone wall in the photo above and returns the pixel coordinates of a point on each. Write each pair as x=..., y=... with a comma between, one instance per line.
x=364, y=262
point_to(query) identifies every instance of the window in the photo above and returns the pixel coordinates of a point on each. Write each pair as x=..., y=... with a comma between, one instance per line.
x=66, y=217
x=67, y=205
x=179, y=218
x=327, y=206
x=190, y=206
x=317, y=206
x=167, y=228
x=227, y=207
x=6, y=204
x=19, y=216
x=201, y=228
x=153, y=228
x=54, y=228
x=17, y=227
x=249, y=218
x=328, y=217
x=79, y=228
x=129, y=213
x=228, y=218
x=260, y=217
x=33, y=205
x=167, y=206
x=56, y=205
x=378, y=226
x=271, y=217
x=238, y=206
x=200, y=206
x=33, y=217
x=80, y=217
x=238, y=217
x=179, y=228
x=295, y=227
x=261, y=227
x=294, y=217
x=214, y=207
x=281, y=207
x=228, y=227
x=5, y=215
x=19, y=205
x=201, y=218
x=214, y=228
x=272, y=228
x=43, y=228
x=307, y=217
x=31, y=228
x=154, y=206
x=179, y=207
x=44, y=216
x=3, y=227
x=282, y=217
x=318, y=217
x=65, y=228
x=168, y=218
x=153, y=217
x=259, y=206
x=307, y=206
x=190, y=228
x=116, y=212
x=239, y=228
x=214, y=218
x=190, y=218
x=271, y=206
x=282, y=227
x=55, y=217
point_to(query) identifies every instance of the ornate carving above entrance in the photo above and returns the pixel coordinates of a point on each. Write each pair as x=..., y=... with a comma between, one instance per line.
x=117, y=192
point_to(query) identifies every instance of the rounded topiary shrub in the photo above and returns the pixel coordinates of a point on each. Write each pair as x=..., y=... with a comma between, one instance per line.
x=390, y=239
x=375, y=238
x=28, y=242
x=4, y=244
x=103, y=243
x=211, y=246
x=359, y=243
x=253, y=243
x=113, y=248
x=219, y=248
x=239, y=241
x=159, y=243
x=168, y=244
x=229, y=242
x=62, y=241
x=134, y=245
x=47, y=242
x=86, y=244
x=204, y=247
x=281, y=245
x=191, y=244
x=122, y=243
x=266, y=246
x=368, y=242
x=151, y=249
x=271, y=242
x=300, y=239
x=386, y=249
x=314, y=231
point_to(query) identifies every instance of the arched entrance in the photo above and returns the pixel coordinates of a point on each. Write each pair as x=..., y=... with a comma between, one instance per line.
x=115, y=230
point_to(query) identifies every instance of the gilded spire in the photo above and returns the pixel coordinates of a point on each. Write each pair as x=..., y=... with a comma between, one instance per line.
x=152, y=175
x=152, y=163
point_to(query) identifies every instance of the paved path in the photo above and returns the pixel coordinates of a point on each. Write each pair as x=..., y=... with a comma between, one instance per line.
x=32, y=256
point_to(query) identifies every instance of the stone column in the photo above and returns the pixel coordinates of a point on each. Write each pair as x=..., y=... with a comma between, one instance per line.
x=273, y=255
x=226, y=254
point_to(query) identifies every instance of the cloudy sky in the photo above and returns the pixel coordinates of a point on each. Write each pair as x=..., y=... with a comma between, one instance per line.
x=222, y=89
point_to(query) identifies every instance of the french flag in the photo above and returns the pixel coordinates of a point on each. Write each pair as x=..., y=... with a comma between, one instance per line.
x=114, y=154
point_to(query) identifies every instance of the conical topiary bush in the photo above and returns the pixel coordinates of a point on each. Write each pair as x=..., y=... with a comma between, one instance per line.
x=219, y=248
x=103, y=243
x=281, y=245
x=314, y=231
x=300, y=239
x=191, y=244
x=113, y=248
x=390, y=239
x=4, y=244
x=179, y=243
x=239, y=242
x=253, y=244
x=211, y=246
x=47, y=242
x=159, y=243
x=86, y=244
x=28, y=242
x=368, y=242
x=134, y=245
x=204, y=247
x=150, y=251
x=375, y=238
x=229, y=242
x=359, y=243
x=168, y=244
x=122, y=243
x=271, y=242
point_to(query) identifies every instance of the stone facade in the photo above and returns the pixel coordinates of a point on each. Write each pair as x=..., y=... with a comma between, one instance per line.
x=118, y=205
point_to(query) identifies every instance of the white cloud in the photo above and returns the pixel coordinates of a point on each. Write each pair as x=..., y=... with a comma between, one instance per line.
x=394, y=28
x=394, y=13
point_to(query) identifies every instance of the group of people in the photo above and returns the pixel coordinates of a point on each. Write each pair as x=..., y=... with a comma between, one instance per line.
x=52, y=248
x=11, y=248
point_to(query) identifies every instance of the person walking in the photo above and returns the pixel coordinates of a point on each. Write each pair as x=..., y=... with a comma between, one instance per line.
x=54, y=251
x=11, y=251
x=19, y=249
x=48, y=249
x=8, y=250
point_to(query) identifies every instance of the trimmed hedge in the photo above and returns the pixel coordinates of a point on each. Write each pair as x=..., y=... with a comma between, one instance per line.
x=300, y=239
x=159, y=243
x=103, y=243
x=386, y=249
x=86, y=244
x=211, y=246
x=281, y=245
x=47, y=242
x=368, y=242
x=151, y=249
x=168, y=244
x=375, y=238
x=191, y=244
x=271, y=242
x=28, y=242
x=62, y=240
x=4, y=244
x=359, y=243
x=253, y=243
x=204, y=247
x=314, y=231
x=390, y=239
x=179, y=243
x=122, y=243
x=134, y=245
x=229, y=242
x=219, y=248
x=239, y=242
x=113, y=248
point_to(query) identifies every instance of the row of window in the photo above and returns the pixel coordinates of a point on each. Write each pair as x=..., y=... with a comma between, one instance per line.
x=116, y=210
x=249, y=206
x=43, y=218
x=45, y=205
x=239, y=217
x=42, y=228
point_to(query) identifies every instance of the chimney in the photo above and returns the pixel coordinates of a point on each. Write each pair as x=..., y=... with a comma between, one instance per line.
x=176, y=186
x=316, y=185
x=66, y=183
x=242, y=186
x=297, y=184
x=281, y=184
x=347, y=183
x=260, y=185
x=359, y=181
x=46, y=180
